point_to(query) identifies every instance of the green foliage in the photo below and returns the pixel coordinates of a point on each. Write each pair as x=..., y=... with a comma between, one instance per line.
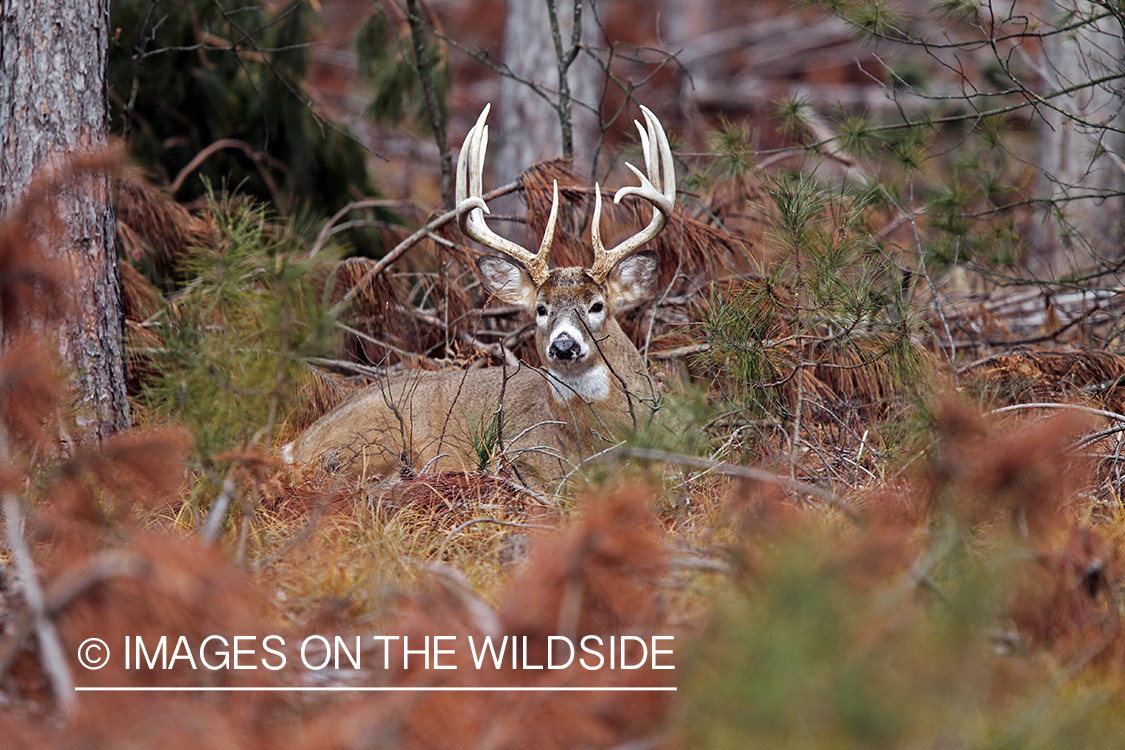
x=695, y=179
x=909, y=148
x=793, y=113
x=236, y=337
x=953, y=154
x=740, y=328
x=485, y=440
x=908, y=74
x=386, y=58
x=185, y=74
x=965, y=217
x=950, y=202
x=734, y=153
x=831, y=299
x=679, y=426
x=782, y=669
x=962, y=11
x=858, y=137
x=875, y=16
x=991, y=130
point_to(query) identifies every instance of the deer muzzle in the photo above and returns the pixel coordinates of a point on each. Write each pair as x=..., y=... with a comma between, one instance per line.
x=564, y=348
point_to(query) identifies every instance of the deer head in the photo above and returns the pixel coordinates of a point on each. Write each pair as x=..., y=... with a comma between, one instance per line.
x=579, y=340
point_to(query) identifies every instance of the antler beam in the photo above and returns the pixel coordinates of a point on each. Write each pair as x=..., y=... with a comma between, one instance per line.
x=470, y=204
x=658, y=188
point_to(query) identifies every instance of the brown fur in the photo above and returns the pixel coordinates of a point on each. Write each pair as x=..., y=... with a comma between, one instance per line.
x=436, y=420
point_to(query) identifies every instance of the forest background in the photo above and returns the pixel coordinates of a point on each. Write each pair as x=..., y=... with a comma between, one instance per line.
x=882, y=506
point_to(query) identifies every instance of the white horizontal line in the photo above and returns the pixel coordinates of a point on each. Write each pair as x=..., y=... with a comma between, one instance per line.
x=340, y=689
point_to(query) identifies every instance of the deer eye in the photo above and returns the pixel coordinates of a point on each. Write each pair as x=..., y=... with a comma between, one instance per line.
x=597, y=307
x=541, y=311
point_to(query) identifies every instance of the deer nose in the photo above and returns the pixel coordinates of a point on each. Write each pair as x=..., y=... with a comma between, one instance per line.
x=564, y=347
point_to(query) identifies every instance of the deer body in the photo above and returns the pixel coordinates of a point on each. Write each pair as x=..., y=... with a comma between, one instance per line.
x=539, y=421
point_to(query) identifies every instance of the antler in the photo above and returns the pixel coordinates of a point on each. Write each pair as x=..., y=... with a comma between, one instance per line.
x=470, y=166
x=660, y=191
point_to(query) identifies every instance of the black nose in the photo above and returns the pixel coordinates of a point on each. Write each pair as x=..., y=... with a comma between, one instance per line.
x=564, y=347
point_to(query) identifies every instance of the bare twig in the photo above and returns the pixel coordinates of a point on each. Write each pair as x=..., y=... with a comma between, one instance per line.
x=213, y=525
x=50, y=646
x=564, y=59
x=496, y=350
x=330, y=227
x=260, y=159
x=433, y=106
x=65, y=588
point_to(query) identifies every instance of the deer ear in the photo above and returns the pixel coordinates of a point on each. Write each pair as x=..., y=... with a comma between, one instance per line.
x=507, y=280
x=633, y=278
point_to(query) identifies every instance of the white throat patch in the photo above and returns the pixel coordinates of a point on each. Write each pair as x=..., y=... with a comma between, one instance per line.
x=591, y=385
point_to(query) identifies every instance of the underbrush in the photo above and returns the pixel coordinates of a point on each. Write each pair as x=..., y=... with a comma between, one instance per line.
x=849, y=553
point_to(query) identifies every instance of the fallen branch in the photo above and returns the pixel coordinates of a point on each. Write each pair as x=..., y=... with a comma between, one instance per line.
x=681, y=351
x=1049, y=405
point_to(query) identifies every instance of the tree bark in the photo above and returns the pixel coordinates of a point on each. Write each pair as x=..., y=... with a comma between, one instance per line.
x=53, y=100
x=529, y=123
x=1080, y=154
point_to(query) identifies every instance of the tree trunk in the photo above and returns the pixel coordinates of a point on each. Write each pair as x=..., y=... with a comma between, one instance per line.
x=53, y=100
x=684, y=20
x=1080, y=155
x=530, y=124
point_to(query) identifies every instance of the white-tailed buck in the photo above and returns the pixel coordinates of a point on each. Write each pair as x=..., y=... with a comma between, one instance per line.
x=539, y=422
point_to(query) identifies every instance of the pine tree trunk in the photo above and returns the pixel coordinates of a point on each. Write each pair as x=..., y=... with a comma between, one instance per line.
x=53, y=100
x=1080, y=154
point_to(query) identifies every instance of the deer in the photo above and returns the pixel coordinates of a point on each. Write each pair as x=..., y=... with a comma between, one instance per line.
x=542, y=421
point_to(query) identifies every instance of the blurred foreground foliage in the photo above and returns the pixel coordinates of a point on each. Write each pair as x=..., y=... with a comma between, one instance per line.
x=804, y=658
x=973, y=602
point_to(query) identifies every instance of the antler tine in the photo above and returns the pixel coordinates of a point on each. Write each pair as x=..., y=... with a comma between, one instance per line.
x=472, y=208
x=658, y=188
